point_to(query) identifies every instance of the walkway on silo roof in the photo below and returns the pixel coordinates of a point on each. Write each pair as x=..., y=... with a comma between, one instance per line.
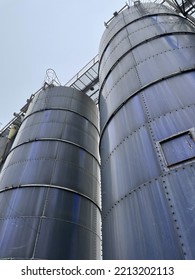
x=87, y=79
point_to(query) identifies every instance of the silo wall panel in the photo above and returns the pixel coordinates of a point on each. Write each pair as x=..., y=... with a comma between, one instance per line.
x=140, y=31
x=129, y=16
x=33, y=164
x=174, y=94
x=147, y=133
x=133, y=69
x=179, y=185
x=127, y=121
x=148, y=224
x=74, y=102
x=50, y=124
x=125, y=168
x=176, y=121
x=50, y=181
x=63, y=213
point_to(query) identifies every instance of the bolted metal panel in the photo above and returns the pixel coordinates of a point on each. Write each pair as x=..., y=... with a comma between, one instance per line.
x=143, y=227
x=50, y=182
x=128, y=16
x=48, y=223
x=147, y=83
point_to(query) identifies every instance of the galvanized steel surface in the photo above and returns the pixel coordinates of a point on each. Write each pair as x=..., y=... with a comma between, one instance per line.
x=147, y=83
x=50, y=182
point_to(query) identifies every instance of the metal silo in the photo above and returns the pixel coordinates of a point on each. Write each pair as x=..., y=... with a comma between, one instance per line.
x=147, y=145
x=49, y=184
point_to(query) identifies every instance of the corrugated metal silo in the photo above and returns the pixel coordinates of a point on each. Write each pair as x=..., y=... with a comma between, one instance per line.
x=147, y=146
x=49, y=190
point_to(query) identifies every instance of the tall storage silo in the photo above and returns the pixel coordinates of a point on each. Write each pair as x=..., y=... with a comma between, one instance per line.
x=49, y=184
x=147, y=144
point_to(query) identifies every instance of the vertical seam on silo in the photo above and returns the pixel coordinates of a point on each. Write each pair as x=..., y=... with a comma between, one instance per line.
x=135, y=62
x=173, y=214
x=39, y=225
x=161, y=162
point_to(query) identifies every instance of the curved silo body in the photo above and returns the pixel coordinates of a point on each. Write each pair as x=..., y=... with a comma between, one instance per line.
x=49, y=184
x=147, y=97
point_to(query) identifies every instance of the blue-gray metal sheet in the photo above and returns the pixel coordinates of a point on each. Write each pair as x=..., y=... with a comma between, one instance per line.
x=180, y=192
x=171, y=95
x=146, y=96
x=18, y=236
x=128, y=16
x=140, y=226
x=136, y=34
x=20, y=201
x=56, y=163
x=178, y=149
x=173, y=122
x=126, y=165
x=64, y=240
x=60, y=125
x=50, y=182
x=65, y=98
x=127, y=120
x=136, y=73
x=30, y=210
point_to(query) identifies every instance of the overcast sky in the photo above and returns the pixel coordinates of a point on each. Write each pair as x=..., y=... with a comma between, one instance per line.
x=39, y=34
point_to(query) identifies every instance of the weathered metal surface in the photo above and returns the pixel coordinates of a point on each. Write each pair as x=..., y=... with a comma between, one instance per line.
x=147, y=84
x=49, y=184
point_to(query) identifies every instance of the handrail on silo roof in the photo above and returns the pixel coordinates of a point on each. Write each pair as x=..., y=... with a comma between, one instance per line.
x=83, y=70
x=86, y=80
x=115, y=14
